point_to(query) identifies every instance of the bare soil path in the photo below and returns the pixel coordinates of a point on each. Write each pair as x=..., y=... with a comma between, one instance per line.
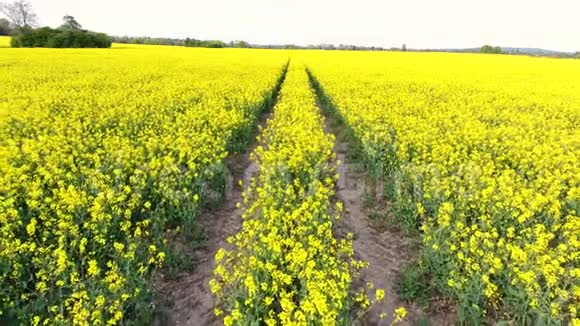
x=386, y=250
x=188, y=300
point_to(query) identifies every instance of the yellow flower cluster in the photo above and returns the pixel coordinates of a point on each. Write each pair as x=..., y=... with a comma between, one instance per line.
x=482, y=154
x=286, y=267
x=100, y=152
x=4, y=41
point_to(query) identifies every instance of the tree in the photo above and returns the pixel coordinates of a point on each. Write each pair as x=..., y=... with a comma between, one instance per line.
x=404, y=48
x=69, y=22
x=47, y=37
x=239, y=44
x=205, y=44
x=486, y=49
x=20, y=14
x=490, y=49
x=5, y=28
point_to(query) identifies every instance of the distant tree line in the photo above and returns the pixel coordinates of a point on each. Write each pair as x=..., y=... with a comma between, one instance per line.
x=147, y=40
x=204, y=44
x=490, y=49
x=69, y=35
x=21, y=25
x=323, y=46
x=47, y=37
x=526, y=51
x=189, y=42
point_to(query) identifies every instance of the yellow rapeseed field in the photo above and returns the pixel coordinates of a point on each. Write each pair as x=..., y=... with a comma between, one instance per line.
x=482, y=154
x=4, y=41
x=101, y=151
x=286, y=266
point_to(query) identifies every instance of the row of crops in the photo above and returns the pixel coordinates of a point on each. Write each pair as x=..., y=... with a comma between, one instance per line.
x=481, y=155
x=286, y=265
x=101, y=152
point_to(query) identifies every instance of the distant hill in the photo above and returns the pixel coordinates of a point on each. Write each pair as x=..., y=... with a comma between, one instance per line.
x=513, y=50
x=533, y=51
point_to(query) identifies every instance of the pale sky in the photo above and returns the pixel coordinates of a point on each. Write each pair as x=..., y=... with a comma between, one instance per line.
x=549, y=24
